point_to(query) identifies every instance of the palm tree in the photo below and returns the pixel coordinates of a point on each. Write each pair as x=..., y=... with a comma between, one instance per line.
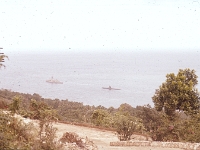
x=2, y=56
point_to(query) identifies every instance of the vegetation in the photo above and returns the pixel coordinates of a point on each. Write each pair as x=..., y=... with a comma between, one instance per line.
x=178, y=93
x=2, y=58
x=16, y=134
x=177, y=100
x=70, y=138
x=126, y=126
x=175, y=116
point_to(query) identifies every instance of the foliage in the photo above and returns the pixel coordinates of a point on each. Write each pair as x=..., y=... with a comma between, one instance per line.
x=150, y=117
x=178, y=92
x=47, y=133
x=2, y=57
x=167, y=130
x=190, y=131
x=47, y=137
x=80, y=143
x=41, y=111
x=126, y=109
x=3, y=103
x=71, y=137
x=121, y=120
x=184, y=130
x=15, y=134
x=72, y=111
x=99, y=117
x=176, y=97
x=18, y=132
x=66, y=110
x=126, y=125
x=15, y=105
x=126, y=120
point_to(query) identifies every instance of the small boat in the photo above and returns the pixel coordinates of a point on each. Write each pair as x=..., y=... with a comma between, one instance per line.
x=110, y=88
x=55, y=81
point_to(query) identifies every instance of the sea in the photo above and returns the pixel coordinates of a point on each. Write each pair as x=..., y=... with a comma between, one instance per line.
x=136, y=74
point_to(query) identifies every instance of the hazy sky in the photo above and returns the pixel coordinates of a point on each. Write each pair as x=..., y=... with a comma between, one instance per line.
x=99, y=25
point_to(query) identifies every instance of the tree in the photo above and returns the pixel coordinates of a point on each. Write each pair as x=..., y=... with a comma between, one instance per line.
x=2, y=57
x=178, y=92
x=15, y=105
x=126, y=125
x=98, y=117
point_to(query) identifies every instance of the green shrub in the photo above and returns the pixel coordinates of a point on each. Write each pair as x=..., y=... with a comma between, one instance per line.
x=98, y=117
x=15, y=105
x=126, y=126
x=190, y=131
x=14, y=133
x=47, y=138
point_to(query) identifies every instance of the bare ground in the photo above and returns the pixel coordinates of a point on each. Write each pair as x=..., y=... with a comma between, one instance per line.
x=101, y=138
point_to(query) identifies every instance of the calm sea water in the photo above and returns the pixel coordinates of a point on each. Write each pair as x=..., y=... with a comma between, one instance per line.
x=84, y=74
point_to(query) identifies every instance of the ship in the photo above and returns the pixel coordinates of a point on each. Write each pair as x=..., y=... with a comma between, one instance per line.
x=110, y=88
x=55, y=81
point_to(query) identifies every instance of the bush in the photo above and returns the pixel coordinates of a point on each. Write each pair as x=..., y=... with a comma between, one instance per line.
x=14, y=133
x=126, y=126
x=75, y=142
x=15, y=105
x=99, y=117
x=47, y=138
x=70, y=137
x=191, y=130
x=3, y=104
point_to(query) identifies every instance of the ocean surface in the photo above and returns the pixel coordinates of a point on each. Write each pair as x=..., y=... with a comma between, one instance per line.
x=84, y=74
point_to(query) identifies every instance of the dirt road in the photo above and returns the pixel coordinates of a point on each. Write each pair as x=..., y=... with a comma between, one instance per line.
x=101, y=138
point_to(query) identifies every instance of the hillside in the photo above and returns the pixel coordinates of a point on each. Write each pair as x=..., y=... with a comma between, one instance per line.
x=110, y=123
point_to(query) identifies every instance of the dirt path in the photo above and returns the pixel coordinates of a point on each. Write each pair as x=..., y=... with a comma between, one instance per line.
x=101, y=138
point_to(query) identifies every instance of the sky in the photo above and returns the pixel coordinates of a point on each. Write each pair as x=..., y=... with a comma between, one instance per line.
x=99, y=25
